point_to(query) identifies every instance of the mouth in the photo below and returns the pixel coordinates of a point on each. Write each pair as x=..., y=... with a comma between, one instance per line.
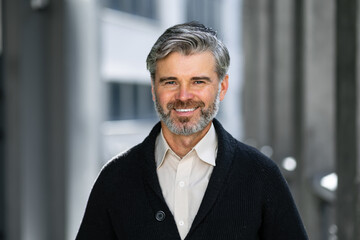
x=185, y=110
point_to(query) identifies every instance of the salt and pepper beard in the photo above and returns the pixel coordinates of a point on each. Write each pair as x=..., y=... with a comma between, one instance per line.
x=181, y=127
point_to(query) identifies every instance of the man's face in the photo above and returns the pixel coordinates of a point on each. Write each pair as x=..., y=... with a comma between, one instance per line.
x=187, y=91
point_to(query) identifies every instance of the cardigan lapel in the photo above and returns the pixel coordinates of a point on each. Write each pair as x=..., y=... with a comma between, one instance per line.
x=148, y=152
x=223, y=162
x=152, y=185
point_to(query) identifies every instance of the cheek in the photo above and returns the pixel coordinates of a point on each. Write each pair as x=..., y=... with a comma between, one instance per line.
x=208, y=97
x=162, y=98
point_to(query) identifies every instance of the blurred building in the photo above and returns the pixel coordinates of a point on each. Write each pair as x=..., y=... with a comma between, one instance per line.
x=74, y=91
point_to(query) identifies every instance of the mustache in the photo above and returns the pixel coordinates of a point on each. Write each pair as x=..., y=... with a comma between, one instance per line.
x=185, y=104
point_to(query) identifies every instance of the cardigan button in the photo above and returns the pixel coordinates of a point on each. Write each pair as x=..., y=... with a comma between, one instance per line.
x=160, y=216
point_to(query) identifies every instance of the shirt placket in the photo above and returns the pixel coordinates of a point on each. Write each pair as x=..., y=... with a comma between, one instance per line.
x=181, y=206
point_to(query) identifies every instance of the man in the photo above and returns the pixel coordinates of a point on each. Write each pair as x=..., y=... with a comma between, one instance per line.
x=190, y=179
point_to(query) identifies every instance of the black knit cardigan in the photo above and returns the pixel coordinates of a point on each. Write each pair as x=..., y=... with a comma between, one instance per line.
x=246, y=198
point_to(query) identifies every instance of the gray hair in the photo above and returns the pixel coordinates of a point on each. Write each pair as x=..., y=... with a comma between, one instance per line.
x=189, y=38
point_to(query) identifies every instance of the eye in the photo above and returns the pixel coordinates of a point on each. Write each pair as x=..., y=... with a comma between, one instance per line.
x=169, y=83
x=199, y=82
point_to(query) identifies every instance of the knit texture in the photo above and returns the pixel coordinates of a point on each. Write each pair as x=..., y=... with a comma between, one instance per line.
x=247, y=198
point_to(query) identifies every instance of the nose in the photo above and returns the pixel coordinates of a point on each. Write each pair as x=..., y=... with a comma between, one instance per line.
x=184, y=93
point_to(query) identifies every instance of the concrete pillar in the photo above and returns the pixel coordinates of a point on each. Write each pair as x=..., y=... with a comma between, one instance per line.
x=298, y=95
x=257, y=45
x=347, y=117
x=25, y=159
x=52, y=116
x=83, y=106
x=2, y=135
x=318, y=106
x=282, y=64
x=230, y=114
x=269, y=96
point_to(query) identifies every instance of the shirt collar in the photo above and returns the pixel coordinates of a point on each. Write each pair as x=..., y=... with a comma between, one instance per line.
x=206, y=149
x=161, y=148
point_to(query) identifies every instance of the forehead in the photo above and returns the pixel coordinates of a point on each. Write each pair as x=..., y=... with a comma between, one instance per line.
x=179, y=63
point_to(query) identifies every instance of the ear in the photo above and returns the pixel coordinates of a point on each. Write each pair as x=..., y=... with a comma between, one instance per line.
x=224, y=87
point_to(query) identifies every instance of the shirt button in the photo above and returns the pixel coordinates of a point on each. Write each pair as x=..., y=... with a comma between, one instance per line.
x=181, y=223
x=160, y=216
x=181, y=183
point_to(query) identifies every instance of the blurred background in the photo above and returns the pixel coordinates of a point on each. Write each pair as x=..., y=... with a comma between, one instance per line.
x=74, y=91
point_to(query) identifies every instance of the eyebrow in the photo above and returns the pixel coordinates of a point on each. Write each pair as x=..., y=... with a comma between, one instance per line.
x=202, y=78
x=163, y=79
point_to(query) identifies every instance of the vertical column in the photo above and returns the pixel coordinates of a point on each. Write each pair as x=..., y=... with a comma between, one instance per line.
x=257, y=45
x=12, y=194
x=2, y=132
x=231, y=116
x=347, y=204
x=357, y=192
x=357, y=208
x=282, y=129
x=298, y=95
x=318, y=106
x=83, y=106
x=250, y=38
x=265, y=72
x=57, y=152
x=25, y=164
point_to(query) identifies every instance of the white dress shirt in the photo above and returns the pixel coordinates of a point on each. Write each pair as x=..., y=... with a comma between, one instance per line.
x=183, y=181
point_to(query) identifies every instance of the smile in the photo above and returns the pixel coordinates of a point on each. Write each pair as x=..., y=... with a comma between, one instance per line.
x=185, y=110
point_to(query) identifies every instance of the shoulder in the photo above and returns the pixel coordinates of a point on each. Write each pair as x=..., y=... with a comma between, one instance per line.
x=250, y=163
x=118, y=171
x=125, y=158
x=247, y=162
x=242, y=154
x=254, y=156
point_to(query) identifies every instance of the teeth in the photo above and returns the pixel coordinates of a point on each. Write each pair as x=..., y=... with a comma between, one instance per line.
x=185, y=110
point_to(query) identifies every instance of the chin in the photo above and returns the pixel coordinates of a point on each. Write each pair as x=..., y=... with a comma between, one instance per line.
x=186, y=128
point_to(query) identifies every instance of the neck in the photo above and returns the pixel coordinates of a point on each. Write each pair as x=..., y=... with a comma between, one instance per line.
x=182, y=144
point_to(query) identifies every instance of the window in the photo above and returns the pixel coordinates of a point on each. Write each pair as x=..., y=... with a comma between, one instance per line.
x=129, y=101
x=143, y=8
